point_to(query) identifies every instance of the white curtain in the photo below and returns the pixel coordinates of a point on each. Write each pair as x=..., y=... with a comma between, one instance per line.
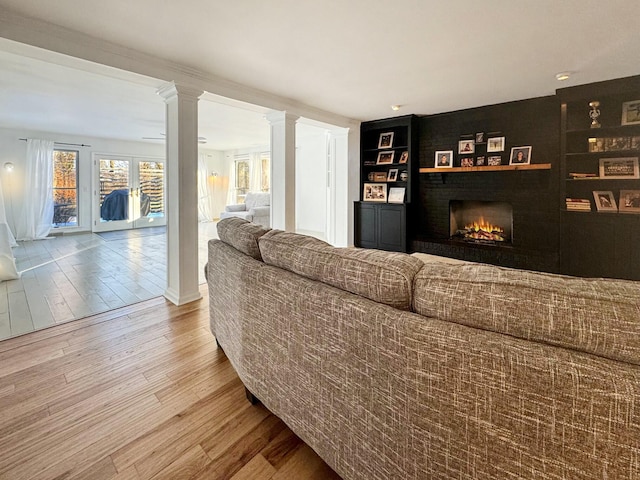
x=37, y=214
x=204, y=199
x=231, y=193
x=255, y=170
x=8, y=270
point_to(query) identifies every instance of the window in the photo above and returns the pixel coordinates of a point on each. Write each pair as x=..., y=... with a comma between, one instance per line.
x=65, y=188
x=242, y=179
x=266, y=172
x=245, y=176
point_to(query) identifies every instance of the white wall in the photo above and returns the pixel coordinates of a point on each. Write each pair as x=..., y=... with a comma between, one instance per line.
x=311, y=180
x=14, y=150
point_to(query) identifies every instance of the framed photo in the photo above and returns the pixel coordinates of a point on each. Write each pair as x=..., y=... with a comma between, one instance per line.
x=619, y=168
x=374, y=192
x=629, y=201
x=379, y=177
x=466, y=146
x=480, y=161
x=605, y=201
x=520, y=156
x=384, y=158
x=444, y=159
x=466, y=162
x=631, y=113
x=385, y=140
x=480, y=137
x=596, y=144
x=614, y=144
x=494, y=160
x=396, y=195
x=393, y=175
x=404, y=157
x=495, y=144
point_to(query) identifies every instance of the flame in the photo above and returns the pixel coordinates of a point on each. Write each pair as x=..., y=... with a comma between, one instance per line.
x=482, y=225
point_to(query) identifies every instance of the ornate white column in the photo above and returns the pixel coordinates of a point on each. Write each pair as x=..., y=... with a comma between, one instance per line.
x=181, y=205
x=283, y=170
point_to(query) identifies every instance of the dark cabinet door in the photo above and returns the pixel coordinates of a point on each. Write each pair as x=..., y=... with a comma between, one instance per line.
x=366, y=234
x=381, y=226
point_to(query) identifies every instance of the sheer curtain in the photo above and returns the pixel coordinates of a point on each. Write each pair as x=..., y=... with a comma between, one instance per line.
x=37, y=213
x=231, y=193
x=255, y=181
x=8, y=270
x=204, y=199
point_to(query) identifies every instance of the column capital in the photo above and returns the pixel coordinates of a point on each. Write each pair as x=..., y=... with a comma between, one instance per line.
x=172, y=90
x=275, y=117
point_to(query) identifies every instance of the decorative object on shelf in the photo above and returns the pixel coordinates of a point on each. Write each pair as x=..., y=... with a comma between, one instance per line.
x=520, y=156
x=392, y=176
x=404, y=176
x=578, y=204
x=494, y=160
x=466, y=146
x=631, y=113
x=594, y=113
x=596, y=144
x=614, y=144
x=580, y=175
x=479, y=138
x=396, y=195
x=385, y=158
x=385, y=140
x=466, y=162
x=629, y=201
x=379, y=176
x=444, y=159
x=605, y=201
x=495, y=144
x=374, y=192
x=404, y=157
x=619, y=168
x=480, y=161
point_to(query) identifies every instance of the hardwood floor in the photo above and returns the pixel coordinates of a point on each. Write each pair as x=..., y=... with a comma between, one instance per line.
x=137, y=393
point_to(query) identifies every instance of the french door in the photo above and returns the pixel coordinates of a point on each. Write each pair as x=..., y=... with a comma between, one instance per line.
x=128, y=192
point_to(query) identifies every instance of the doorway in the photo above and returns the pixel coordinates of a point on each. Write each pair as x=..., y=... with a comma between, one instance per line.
x=128, y=192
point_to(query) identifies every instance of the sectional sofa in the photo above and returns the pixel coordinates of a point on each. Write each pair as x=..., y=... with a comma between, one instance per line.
x=390, y=367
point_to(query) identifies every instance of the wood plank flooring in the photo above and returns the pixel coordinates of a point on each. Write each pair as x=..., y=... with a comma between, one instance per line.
x=137, y=393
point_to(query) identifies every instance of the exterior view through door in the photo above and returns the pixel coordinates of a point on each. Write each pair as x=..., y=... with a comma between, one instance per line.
x=128, y=192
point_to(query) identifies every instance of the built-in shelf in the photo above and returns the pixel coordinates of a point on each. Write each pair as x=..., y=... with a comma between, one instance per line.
x=604, y=130
x=496, y=168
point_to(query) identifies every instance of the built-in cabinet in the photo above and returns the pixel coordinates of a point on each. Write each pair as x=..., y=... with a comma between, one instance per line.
x=388, y=167
x=599, y=184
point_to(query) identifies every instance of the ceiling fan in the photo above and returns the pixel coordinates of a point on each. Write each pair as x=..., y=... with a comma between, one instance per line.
x=201, y=140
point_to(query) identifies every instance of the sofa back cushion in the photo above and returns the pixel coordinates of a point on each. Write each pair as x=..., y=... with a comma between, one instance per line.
x=381, y=276
x=257, y=199
x=241, y=235
x=598, y=316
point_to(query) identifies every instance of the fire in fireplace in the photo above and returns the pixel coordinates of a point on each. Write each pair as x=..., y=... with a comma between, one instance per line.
x=481, y=222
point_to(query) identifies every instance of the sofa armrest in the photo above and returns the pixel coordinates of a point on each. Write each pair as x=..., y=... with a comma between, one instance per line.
x=260, y=211
x=239, y=207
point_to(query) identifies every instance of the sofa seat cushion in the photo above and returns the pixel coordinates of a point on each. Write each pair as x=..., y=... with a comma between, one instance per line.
x=241, y=235
x=593, y=315
x=381, y=276
x=257, y=199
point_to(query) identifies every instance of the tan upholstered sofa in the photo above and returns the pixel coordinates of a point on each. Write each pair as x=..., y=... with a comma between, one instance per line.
x=391, y=368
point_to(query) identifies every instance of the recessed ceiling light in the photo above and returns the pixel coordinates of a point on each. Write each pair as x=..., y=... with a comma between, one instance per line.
x=562, y=76
x=395, y=108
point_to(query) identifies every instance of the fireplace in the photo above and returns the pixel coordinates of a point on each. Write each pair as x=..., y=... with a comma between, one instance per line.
x=488, y=223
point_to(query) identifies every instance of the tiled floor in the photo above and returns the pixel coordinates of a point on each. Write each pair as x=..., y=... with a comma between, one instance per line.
x=73, y=276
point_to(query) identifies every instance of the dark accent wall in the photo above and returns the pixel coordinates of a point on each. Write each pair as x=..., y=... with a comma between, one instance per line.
x=532, y=194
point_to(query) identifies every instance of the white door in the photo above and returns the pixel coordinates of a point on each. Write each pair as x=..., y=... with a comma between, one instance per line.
x=128, y=192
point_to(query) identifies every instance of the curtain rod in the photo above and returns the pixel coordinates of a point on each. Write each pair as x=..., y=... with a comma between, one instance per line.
x=63, y=143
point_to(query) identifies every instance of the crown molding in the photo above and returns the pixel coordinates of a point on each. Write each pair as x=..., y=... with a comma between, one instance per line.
x=48, y=36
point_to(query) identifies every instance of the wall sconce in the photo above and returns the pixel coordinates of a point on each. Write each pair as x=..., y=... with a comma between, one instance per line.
x=8, y=166
x=213, y=174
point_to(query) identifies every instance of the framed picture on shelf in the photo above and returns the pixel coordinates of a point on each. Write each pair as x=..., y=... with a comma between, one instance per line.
x=396, y=195
x=520, y=156
x=466, y=162
x=631, y=113
x=494, y=161
x=605, y=201
x=374, y=192
x=479, y=138
x=466, y=146
x=629, y=201
x=404, y=157
x=495, y=144
x=392, y=176
x=615, y=144
x=444, y=159
x=385, y=140
x=619, y=168
x=480, y=161
x=596, y=144
x=385, y=158
x=379, y=177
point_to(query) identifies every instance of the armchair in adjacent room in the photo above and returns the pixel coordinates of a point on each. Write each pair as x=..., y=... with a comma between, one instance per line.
x=256, y=208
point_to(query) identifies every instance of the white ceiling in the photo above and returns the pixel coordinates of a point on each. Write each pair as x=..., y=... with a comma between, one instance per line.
x=350, y=57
